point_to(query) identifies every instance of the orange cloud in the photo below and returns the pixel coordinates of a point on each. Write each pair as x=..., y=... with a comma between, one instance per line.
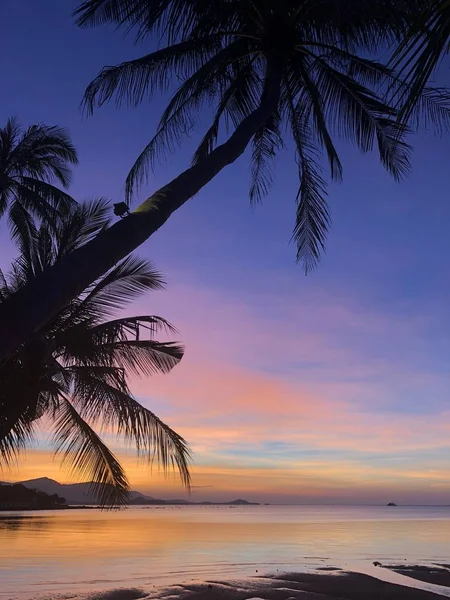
x=272, y=397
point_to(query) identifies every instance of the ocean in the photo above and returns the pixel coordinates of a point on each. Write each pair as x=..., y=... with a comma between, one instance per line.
x=48, y=553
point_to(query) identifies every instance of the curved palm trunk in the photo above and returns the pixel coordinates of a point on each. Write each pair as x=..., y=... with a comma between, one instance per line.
x=35, y=304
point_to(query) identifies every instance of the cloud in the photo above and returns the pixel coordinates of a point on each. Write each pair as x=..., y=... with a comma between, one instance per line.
x=273, y=391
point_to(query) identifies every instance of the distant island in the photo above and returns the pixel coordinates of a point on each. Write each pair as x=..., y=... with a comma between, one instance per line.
x=20, y=497
x=147, y=500
x=391, y=504
x=79, y=494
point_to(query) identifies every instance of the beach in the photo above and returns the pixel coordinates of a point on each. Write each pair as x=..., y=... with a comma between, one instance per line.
x=287, y=586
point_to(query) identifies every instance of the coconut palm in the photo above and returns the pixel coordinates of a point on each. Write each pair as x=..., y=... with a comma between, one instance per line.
x=32, y=161
x=296, y=62
x=271, y=70
x=73, y=374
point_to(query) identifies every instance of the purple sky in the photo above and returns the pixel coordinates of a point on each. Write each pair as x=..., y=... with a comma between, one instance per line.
x=332, y=387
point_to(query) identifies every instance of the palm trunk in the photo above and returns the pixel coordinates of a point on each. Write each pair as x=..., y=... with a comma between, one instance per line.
x=35, y=304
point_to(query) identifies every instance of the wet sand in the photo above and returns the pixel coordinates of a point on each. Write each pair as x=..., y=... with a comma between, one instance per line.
x=438, y=574
x=293, y=586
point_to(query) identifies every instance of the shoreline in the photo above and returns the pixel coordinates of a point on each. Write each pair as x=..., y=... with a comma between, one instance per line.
x=344, y=585
x=384, y=582
x=47, y=508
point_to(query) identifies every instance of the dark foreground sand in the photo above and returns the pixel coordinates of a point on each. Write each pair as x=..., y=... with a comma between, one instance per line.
x=295, y=586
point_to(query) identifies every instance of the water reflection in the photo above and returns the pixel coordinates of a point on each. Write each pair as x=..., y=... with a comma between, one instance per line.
x=16, y=522
x=79, y=549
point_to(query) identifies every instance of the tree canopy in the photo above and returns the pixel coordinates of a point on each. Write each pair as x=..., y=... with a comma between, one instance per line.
x=32, y=161
x=73, y=374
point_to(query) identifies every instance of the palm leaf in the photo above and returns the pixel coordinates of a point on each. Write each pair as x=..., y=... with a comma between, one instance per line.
x=312, y=216
x=14, y=439
x=234, y=100
x=174, y=18
x=133, y=80
x=265, y=145
x=420, y=51
x=4, y=287
x=47, y=193
x=430, y=109
x=31, y=161
x=208, y=81
x=44, y=153
x=86, y=221
x=311, y=103
x=125, y=282
x=359, y=115
x=23, y=230
x=87, y=455
x=101, y=396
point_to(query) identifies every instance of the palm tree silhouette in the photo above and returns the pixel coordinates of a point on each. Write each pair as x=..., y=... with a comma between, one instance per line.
x=293, y=68
x=31, y=161
x=73, y=374
x=268, y=68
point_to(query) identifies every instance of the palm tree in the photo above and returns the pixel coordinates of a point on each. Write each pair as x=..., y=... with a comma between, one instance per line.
x=296, y=62
x=73, y=374
x=31, y=161
x=268, y=67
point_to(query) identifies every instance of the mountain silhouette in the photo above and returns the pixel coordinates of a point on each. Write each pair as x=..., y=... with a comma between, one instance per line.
x=74, y=493
x=79, y=493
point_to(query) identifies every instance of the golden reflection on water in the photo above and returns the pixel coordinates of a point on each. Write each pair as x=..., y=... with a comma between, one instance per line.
x=81, y=548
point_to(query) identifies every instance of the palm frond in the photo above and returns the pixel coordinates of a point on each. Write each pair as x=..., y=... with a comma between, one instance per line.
x=44, y=192
x=136, y=357
x=9, y=137
x=14, y=439
x=44, y=152
x=431, y=110
x=118, y=329
x=393, y=150
x=88, y=456
x=23, y=230
x=360, y=116
x=182, y=112
x=45, y=248
x=37, y=205
x=419, y=52
x=101, y=344
x=132, y=81
x=4, y=287
x=145, y=357
x=102, y=397
x=125, y=282
x=238, y=100
x=311, y=103
x=312, y=216
x=86, y=221
x=23, y=401
x=265, y=145
x=18, y=415
x=173, y=18
x=31, y=161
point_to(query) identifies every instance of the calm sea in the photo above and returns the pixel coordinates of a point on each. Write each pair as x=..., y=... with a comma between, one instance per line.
x=76, y=551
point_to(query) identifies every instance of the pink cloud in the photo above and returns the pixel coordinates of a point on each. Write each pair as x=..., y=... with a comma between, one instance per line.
x=232, y=381
x=288, y=375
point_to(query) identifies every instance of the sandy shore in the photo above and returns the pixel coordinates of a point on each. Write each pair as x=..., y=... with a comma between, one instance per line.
x=291, y=586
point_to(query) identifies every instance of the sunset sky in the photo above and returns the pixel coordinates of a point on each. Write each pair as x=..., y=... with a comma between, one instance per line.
x=327, y=388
